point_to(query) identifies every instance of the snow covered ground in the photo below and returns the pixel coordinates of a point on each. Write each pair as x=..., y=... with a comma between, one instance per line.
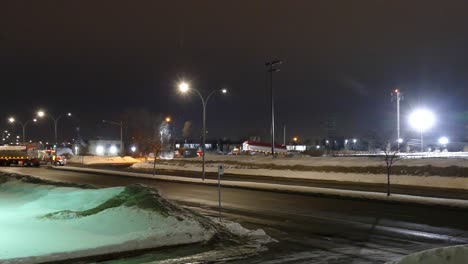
x=40, y=222
x=447, y=255
x=90, y=160
x=332, y=161
x=412, y=180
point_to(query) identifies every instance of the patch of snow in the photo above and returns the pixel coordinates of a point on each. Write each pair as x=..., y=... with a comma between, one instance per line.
x=446, y=255
x=412, y=180
x=90, y=160
x=305, y=160
x=30, y=235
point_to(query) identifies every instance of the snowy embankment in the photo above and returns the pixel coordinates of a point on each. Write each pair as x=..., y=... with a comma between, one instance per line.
x=447, y=255
x=43, y=222
x=410, y=180
x=304, y=160
x=91, y=160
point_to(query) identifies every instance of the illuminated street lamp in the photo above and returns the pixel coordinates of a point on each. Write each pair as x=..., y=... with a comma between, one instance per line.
x=12, y=120
x=185, y=88
x=295, y=139
x=422, y=120
x=42, y=114
x=167, y=119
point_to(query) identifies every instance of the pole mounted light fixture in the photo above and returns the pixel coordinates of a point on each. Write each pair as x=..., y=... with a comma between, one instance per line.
x=184, y=88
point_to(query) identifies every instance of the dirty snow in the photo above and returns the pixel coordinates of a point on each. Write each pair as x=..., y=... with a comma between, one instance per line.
x=447, y=255
x=90, y=160
x=305, y=160
x=412, y=180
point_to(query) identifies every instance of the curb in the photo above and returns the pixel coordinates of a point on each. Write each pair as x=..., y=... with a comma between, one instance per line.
x=457, y=204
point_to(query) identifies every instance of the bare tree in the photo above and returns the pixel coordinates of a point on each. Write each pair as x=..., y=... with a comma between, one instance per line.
x=392, y=155
x=186, y=129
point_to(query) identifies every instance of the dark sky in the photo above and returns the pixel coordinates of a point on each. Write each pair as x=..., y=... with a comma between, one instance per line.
x=341, y=60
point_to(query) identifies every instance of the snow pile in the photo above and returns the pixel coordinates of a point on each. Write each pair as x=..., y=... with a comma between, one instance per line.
x=40, y=223
x=447, y=255
x=90, y=160
x=410, y=180
x=304, y=160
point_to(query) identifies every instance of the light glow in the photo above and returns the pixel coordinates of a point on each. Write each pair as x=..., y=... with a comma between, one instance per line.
x=99, y=150
x=113, y=150
x=443, y=140
x=133, y=148
x=224, y=91
x=184, y=87
x=11, y=119
x=422, y=119
x=40, y=113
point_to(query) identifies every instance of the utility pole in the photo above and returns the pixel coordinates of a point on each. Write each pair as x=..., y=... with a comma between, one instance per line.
x=397, y=96
x=284, y=135
x=121, y=133
x=271, y=70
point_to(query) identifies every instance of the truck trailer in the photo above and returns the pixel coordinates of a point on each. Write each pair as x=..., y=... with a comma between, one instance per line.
x=20, y=155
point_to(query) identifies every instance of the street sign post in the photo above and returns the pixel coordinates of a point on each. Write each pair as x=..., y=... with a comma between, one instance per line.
x=220, y=172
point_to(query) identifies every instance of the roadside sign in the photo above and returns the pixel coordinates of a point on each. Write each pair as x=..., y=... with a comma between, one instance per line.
x=220, y=169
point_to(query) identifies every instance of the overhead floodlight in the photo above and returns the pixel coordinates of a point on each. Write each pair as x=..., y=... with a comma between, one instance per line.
x=443, y=140
x=422, y=119
x=113, y=150
x=100, y=150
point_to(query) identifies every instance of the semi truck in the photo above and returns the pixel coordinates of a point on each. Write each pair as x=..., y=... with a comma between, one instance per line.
x=262, y=147
x=20, y=155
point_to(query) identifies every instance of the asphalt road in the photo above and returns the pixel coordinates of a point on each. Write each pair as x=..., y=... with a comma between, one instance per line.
x=357, y=186
x=309, y=229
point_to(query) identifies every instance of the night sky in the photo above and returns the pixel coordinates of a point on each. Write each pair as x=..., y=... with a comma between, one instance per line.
x=341, y=61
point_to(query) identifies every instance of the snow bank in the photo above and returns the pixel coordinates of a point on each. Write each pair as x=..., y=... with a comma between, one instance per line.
x=332, y=161
x=40, y=223
x=447, y=255
x=90, y=160
x=411, y=180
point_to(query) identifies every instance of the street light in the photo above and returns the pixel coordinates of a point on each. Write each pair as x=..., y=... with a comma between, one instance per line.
x=271, y=69
x=422, y=120
x=397, y=96
x=121, y=132
x=185, y=88
x=12, y=120
x=42, y=114
x=167, y=119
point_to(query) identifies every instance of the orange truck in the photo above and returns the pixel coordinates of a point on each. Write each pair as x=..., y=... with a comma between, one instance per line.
x=19, y=155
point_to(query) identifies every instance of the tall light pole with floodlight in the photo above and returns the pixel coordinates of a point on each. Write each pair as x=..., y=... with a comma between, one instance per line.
x=422, y=120
x=397, y=96
x=184, y=88
x=271, y=69
x=12, y=120
x=121, y=132
x=42, y=114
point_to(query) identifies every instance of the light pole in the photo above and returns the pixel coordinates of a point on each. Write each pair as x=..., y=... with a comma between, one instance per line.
x=397, y=96
x=42, y=114
x=184, y=88
x=422, y=120
x=23, y=125
x=121, y=132
x=270, y=65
